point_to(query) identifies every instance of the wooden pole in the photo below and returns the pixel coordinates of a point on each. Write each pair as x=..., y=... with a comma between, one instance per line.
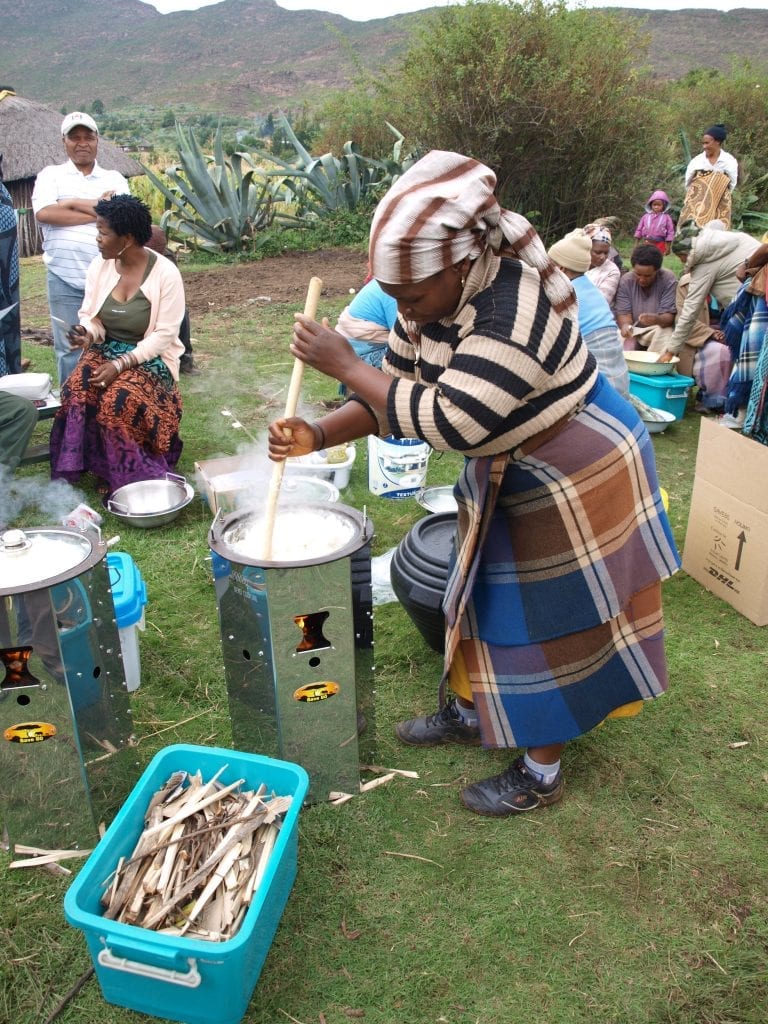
x=294, y=390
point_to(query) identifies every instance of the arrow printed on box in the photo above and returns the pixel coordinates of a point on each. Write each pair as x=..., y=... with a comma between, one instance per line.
x=742, y=539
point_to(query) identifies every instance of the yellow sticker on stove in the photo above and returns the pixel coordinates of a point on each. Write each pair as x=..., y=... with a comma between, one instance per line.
x=315, y=691
x=30, y=732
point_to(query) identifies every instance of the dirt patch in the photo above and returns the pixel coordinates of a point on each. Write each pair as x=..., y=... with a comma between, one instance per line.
x=279, y=279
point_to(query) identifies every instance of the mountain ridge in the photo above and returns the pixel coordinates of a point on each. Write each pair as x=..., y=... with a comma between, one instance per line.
x=252, y=56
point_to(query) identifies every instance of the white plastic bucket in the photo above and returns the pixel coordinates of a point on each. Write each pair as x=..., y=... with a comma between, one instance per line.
x=397, y=466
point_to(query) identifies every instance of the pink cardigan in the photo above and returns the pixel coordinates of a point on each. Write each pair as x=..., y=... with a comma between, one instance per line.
x=164, y=291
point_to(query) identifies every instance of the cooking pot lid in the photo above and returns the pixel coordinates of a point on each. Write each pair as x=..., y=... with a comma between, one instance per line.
x=33, y=558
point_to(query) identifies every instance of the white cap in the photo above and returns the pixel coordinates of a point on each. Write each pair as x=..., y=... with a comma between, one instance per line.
x=74, y=119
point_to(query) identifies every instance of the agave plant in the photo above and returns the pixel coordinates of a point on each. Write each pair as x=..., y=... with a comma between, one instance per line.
x=318, y=186
x=216, y=203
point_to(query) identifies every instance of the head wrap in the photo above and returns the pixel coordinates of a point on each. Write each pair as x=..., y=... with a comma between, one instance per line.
x=598, y=233
x=443, y=209
x=717, y=131
x=683, y=240
x=573, y=252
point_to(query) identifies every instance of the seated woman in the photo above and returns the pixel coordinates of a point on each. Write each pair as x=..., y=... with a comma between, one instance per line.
x=604, y=272
x=572, y=255
x=367, y=321
x=121, y=406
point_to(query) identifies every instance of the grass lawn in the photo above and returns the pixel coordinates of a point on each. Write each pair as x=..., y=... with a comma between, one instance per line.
x=640, y=899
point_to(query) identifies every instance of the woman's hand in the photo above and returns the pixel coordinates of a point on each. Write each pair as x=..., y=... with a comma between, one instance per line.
x=320, y=347
x=291, y=437
x=647, y=320
x=104, y=376
x=78, y=336
x=666, y=357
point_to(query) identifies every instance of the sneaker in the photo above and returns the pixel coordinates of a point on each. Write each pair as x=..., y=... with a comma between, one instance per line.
x=447, y=726
x=513, y=792
x=733, y=422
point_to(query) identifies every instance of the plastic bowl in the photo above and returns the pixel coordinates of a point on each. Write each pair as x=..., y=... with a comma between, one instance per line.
x=648, y=363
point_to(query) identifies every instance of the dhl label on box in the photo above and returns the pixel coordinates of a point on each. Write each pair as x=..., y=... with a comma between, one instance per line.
x=726, y=543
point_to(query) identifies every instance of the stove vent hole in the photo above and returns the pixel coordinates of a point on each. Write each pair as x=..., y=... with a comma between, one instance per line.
x=311, y=626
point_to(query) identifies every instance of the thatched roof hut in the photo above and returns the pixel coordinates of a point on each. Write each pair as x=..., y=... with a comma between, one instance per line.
x=30, y=139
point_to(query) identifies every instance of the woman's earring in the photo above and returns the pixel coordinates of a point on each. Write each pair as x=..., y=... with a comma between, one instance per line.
x=462, y=282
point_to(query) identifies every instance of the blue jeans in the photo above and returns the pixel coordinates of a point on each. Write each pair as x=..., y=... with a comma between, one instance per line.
x=64, y=302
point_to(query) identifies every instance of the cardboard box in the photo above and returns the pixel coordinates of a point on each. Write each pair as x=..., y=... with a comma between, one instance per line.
x=726, y=543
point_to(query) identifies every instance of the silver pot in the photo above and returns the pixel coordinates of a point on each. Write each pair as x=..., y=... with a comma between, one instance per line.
x=149, y=503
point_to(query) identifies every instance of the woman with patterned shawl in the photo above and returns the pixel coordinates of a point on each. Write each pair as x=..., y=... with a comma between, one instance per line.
x=121, y=405
x=709, y=179
x=10, y=319
x=553, y=605
x=745, y=327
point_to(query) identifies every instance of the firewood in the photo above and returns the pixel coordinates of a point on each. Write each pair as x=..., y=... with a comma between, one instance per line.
x=204, y=850
x=366, y=786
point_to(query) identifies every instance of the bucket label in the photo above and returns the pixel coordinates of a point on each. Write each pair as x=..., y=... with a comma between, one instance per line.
x=314, y=692
x=397, y=467
x=30, y=732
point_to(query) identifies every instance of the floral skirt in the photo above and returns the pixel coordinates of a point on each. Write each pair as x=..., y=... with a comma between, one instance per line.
x=122, y=433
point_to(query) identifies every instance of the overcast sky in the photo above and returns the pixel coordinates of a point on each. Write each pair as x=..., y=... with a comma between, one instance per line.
x=364, y=10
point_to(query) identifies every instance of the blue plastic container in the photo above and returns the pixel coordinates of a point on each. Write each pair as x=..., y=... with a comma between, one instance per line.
x=74, y=638
x=173, y=977
x=129, y=594
x=667, y=391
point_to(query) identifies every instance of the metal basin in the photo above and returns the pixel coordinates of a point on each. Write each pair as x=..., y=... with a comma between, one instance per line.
x=648, y=363
x=438, y=499
x=149, y=503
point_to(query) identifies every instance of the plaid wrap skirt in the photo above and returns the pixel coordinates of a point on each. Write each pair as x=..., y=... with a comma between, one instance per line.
x=555, y=593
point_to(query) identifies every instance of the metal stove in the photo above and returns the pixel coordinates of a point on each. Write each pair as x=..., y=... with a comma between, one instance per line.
x=65, y=717
x=297, y=642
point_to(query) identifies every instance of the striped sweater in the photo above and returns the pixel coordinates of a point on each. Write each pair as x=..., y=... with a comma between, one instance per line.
x=503, y=368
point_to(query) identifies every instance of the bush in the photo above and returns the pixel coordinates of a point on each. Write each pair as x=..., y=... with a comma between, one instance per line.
x=549, y=98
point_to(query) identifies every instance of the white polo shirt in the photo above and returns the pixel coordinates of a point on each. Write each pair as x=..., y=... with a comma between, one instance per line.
x=68, y=251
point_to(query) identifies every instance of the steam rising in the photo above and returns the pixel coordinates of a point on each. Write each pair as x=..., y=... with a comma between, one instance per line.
x=55, y=498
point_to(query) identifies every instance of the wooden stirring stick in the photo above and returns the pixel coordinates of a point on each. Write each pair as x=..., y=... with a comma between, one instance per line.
x=294, y=389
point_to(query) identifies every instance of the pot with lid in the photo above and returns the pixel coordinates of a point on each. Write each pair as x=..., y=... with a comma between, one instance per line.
x=297, y=639
x=65, y=720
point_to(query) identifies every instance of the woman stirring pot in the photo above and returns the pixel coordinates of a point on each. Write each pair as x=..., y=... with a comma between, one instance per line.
x=121, y=406
x=553, y=606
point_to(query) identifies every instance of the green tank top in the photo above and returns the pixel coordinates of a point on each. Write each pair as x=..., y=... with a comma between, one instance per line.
x=128, y=321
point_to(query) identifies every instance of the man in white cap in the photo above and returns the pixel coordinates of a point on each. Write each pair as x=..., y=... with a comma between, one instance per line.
x=69, y=232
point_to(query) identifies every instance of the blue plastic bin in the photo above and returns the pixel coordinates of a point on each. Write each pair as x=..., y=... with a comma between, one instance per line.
x=173, y=977
x=667, y=391
x=129, y=594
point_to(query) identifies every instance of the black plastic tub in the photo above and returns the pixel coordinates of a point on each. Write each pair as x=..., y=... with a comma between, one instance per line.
x=419, y=573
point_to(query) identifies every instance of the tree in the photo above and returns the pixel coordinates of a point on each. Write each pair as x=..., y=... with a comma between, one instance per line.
x=549, y=98
x=97, y=108
x=737, y=100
